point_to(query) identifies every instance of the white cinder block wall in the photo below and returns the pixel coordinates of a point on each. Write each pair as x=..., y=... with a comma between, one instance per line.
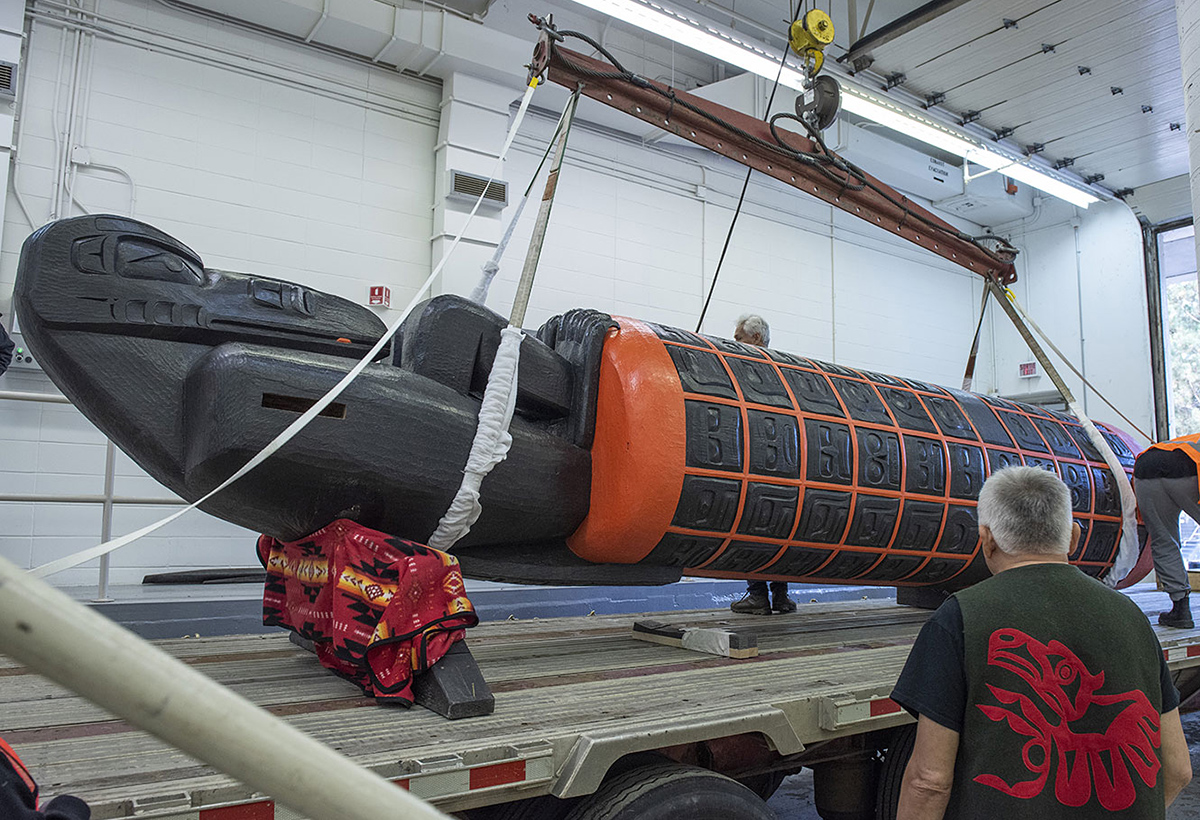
x=631, y=236
x=331, y=183
x=284, y=161
x=1081, y=279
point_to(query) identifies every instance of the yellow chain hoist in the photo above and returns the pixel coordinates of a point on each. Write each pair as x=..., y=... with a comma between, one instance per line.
x=808, y=37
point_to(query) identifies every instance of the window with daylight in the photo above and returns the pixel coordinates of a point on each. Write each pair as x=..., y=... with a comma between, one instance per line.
x=1181, y=340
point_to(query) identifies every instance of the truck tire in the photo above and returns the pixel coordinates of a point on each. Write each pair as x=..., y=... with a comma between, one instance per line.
x=891, y=774
x=534, y=808
x=671, y=791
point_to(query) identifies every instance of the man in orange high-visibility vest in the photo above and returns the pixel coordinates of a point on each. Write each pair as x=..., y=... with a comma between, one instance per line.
x=19, y=794
x=1165, y=482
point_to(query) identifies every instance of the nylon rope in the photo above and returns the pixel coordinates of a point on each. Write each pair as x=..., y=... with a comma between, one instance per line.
x=300, y=423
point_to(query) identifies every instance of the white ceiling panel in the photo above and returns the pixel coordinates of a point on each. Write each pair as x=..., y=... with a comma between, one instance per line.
x=1163, y=201
x=959, y=27
x=978, y=63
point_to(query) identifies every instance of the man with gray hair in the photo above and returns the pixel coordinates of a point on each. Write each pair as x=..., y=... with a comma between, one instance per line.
x=1039, y=692
x=753, y=329
x=6, y=349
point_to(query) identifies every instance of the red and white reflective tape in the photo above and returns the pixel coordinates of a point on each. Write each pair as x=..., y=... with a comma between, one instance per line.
x=1181, y=653
x=884, y=706
x=433, y=786
x=260, y=810
x=837, y=713
x=440, y=785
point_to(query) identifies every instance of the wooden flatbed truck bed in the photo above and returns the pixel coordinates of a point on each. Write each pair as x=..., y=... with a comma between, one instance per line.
x=573, y=697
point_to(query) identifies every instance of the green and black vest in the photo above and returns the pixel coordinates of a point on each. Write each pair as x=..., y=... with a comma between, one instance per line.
x=1064, y=699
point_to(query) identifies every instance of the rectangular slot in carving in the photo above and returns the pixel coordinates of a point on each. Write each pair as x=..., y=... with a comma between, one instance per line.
x=296, y=404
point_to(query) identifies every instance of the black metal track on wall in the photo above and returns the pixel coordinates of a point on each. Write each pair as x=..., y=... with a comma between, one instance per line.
x=1154, y=303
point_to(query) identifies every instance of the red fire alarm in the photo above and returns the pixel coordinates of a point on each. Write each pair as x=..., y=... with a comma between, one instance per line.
x=381, y=296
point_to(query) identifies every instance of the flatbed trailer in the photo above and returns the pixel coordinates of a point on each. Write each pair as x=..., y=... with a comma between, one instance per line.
x=577, y=699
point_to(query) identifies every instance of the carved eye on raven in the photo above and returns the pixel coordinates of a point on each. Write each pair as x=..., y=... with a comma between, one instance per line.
x=134, y=258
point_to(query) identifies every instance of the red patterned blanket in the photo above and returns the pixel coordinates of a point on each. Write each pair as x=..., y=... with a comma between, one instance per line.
x=379, y=609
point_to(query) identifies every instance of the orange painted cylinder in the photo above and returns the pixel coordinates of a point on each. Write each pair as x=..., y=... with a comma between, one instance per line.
x=728, y=460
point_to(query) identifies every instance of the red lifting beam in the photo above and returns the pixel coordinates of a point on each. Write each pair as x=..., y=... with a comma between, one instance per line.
x=870, y=205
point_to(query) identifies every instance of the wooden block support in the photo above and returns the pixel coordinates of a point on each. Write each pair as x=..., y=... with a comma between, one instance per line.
x=454, y=686
x=713, y=641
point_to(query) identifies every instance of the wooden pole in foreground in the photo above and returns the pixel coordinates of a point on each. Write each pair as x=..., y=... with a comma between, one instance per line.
x=110, y=666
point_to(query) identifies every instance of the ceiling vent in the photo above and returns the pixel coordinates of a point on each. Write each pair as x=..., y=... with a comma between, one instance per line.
x=472, y=8
x=8, y=81
x=466, y=187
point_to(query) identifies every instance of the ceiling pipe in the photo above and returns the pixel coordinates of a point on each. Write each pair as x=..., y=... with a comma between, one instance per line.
x=320, y=22
x=386, y=46
x=778, y=34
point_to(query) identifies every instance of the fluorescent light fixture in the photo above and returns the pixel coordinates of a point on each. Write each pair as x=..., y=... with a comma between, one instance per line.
x=932, y=132
x=1048, y=184
x=695, y=33
x=898, y=119
x=725, y=45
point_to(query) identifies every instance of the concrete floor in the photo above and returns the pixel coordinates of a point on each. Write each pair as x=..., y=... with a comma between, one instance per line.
x=794, y=800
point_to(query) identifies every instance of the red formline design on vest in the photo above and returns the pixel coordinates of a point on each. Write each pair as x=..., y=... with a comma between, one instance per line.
x=1078, y=759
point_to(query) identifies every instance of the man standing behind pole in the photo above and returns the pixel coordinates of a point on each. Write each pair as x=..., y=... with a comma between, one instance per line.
x=6, y=349
x=753, y=330
x=1165, y=483
x=1040, y=693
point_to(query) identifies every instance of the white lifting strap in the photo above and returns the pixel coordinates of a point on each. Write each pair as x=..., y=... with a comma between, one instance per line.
x=491, y=444
x=492, y=266
x=1127, y=551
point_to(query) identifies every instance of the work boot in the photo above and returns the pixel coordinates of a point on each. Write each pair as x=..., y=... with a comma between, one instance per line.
x=780, y=602
x=755, y=603
x=1180, y=615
